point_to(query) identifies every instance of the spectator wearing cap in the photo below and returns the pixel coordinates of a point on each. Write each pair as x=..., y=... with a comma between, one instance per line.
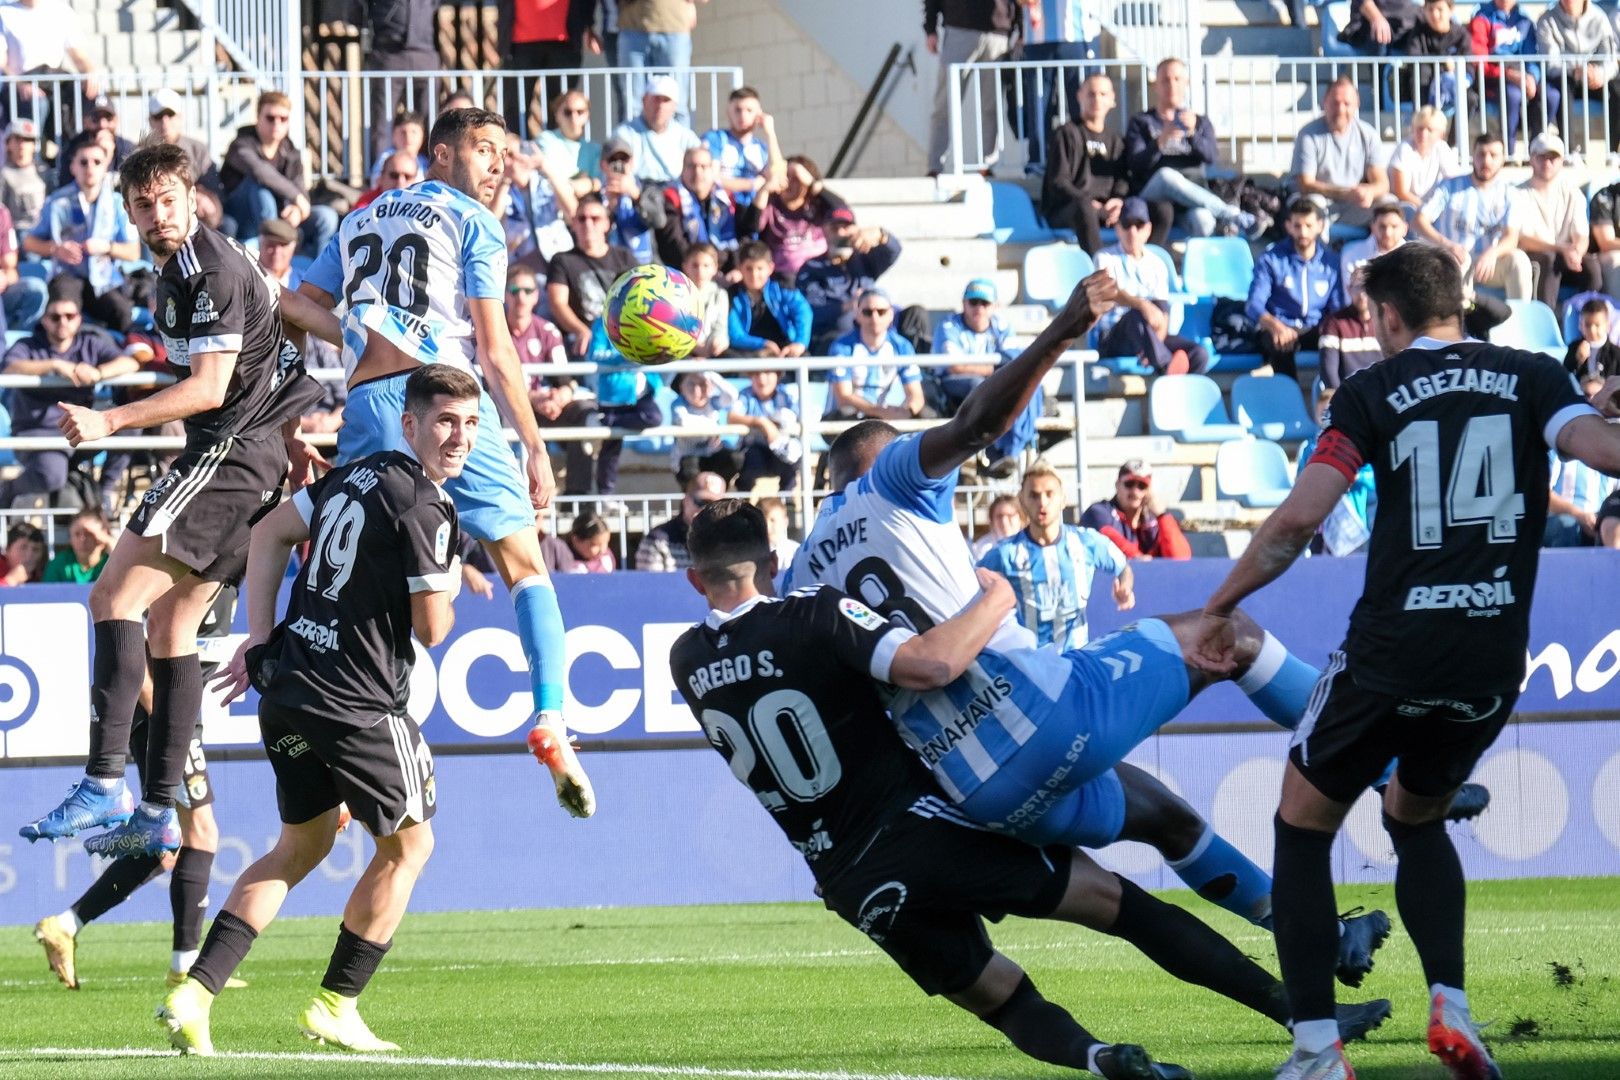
x=1296, y=283
x=798, y=221
x=746, y=150
x=1554, y=230
x=100, y=117
x=22, y=182
x=42, y=37
x=1476, y=217
x=663, y=549
x=1139, y=323
x=694, y=209
x=1340, y=157
x=264, y=177
x=1388, y=233
x=967, y=32
x=974, y=330
x=165, y=111
x=857, y=258
x=278, y=241
x=659, y=138
x=862, y=390
x=399, y=170
x=1423, y=158
x=1135, y=519
x=767, y=318
x=564, y=143
x=621, y=194
x=656, y=34
x=1085, y=184
x=85, y=231
x=1167, y=149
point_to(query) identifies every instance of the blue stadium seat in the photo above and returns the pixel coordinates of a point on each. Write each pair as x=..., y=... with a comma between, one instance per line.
x=6, y=456
x=813, y=407
x=1016, y=219
x=1531, y=326
x=1189, y=409
x=1169, y=264
x=1253, y=472
x=1269, y=407
x=1218, y=266
x=1051, y=272
x=34, y=268
x=1332, y=17
x=665, y=397
x=14, y=336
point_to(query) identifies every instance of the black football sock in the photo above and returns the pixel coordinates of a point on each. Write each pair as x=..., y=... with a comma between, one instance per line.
x=229, y=940
x=1044, y=1031
x=177, y=693
x=354, y=962
x=1432, y=897
x=1183, y=945
x=115, y=885
x=115, y=687
x=188, y=896
x=1307, y=925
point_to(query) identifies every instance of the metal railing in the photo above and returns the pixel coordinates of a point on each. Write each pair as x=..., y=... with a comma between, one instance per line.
x=264, y=38
x=1150, y=30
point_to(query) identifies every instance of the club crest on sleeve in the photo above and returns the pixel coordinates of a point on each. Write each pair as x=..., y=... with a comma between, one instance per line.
x=859, y=614
x=441, y=543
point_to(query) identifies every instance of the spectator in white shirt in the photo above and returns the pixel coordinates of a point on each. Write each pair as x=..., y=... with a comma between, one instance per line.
x=42, y=37
x=1423, y=159
x=1388, y=233
x=1139, y=323
x=659, y=140
x=1554, y=230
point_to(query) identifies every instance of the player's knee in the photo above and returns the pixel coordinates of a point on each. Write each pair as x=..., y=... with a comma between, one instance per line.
x=199, y=830
x=1403, y=832
x=410, y=848
x=301, y=848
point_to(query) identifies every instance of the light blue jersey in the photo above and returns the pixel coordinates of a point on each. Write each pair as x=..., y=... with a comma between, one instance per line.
x=1053, y=581
x=405, y=267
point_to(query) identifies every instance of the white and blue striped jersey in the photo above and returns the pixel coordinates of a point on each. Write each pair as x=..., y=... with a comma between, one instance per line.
x=1053, y=581
x=405, y=267
x=890, y=539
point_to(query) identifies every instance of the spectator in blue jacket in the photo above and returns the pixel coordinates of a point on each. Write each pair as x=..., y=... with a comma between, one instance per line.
x=856, y=257
x=767, y=317
x=863, y=390
x=1296, y=284
x=1499, y=28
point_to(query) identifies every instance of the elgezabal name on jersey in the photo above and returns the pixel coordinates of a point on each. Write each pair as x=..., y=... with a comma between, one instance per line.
x=1454, y=381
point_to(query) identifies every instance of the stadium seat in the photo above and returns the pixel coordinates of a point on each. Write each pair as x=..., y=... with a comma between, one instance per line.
x=1531, y=326
x=14, y=336
x=814, y=407
x=34, y=268
x=1332, y=17
x=1252, y=472
x=1051, y=272
x=1189, y=409
x=1218, y=266
x=1269, y=407
x=1016, y=219
x=662, y=444
x=6, y=456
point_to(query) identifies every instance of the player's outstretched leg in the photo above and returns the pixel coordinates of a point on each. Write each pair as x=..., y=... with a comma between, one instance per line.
x=59, y=934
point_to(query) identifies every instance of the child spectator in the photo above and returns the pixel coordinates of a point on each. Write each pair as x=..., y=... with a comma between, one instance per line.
x=1388, y=233
x=1434, y=34
x=1348, y=344
x=586, y=548
x=24, y=560
x=711, y=305
x=1593, y=355
x=1295, y=284
x=704, y=402
x=89, y=541
x=746, y=150
x=783, y=546
x=408, y=136
x=767, y=317
x=772, y=448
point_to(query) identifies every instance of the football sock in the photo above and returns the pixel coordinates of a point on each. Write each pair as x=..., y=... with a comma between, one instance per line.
x=1279, y=683
x=1431, y=896
x=115, y=885
x=1307, y=927
x=1185, y=947
x=1044, y=1031
x=354, y=962
x=1223, y=875
x=229, y=940
x=1314, y=1036
x=540, y=629
x=74, y=923
x=1452, y=994
x=188, y=896
x=177, y=693
x=115, y=687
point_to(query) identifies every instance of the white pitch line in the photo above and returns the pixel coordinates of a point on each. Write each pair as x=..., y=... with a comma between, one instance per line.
x=493, y=1064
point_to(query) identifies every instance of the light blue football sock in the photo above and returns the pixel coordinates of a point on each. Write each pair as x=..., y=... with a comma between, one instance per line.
x=540, y=629
x=1223, y=875
x=1280, y=683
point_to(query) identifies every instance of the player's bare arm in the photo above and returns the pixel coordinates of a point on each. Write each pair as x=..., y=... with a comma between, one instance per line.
x=990, y=410
x=1592, y=439
x=498, y=360
x=210, y=379
x=940, y=656
x=317, y=294
x=306, y=313
x=434, y=613
x=269, y=548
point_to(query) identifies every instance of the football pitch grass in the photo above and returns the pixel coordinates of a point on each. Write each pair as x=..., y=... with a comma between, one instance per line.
x=789, y=992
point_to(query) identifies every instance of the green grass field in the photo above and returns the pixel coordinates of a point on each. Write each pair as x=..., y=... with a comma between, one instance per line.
x=782, y=990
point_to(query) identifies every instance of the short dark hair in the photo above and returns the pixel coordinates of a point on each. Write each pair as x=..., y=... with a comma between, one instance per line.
x=152, y=163
x=590, y=198
x=587, y=526
x=1596, y=306
x=406, y=116
x=755, y=251
x=92, y=513
x=851, y=454
x=742, y=93
x=434, y=380
x=24, y=531
x=728, y=541
x=452, y=127
x=1487, y=137
x=702, y=247
x=65, y=288
x=1421, y=281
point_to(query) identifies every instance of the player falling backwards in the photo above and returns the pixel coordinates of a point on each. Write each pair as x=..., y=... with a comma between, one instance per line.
x=333, y=682
x=1458, y=434
x=1030, y=740
x=240, y=391
x=787, y=691
x=421, y=276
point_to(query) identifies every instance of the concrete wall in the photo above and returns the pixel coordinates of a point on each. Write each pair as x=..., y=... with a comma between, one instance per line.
x=813, y=61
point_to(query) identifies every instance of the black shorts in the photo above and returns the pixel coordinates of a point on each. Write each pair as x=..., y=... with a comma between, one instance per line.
x=1349, y=735
x=383, y=769
x=196, y=789
x=209, y=500
x=924, y=887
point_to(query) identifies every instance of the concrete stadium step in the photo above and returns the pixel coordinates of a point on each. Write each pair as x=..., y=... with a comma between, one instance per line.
x=903, y=189
x=940, y=290
x=141, y=19
x=937, y=221
x=139, y=52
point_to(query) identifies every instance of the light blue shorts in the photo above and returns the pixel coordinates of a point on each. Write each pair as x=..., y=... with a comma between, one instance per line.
x=1060, y=787
x=491, y=494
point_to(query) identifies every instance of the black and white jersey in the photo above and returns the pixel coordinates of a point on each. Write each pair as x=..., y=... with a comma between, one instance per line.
x=380, y=530
x=785, y=691
x=1457, y=435
x=212, y=296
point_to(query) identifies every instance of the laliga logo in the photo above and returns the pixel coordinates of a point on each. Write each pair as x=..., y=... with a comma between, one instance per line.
x=44, y=680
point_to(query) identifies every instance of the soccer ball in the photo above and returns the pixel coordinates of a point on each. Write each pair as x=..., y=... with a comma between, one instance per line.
x=649, y=315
